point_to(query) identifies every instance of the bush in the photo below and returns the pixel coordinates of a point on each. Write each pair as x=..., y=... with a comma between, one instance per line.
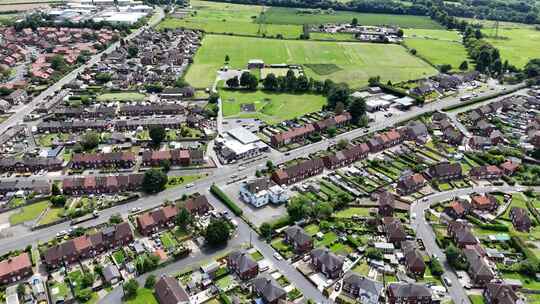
x=225, y=200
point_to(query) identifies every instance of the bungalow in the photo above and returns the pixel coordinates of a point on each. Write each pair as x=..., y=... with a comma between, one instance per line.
x=458, y=209
x=197, y=204
x=362, y=289
x=262, y=191
x=394, y=231
x=461, y=233
x=385, y=203
x=150, y=222
x=298, y=172
x=16, y=268
x=294, y=135
x=486, y=172
x=486, y=202
x=298, y=239
x=479, y=270
x=500, y=293
x=410, y=293
x=410, y=183
x=169, y=291
x=445, y=171
x=414, y=261
x=268, y=289
x=242, y=264
x=326, y=262
x=520, y=219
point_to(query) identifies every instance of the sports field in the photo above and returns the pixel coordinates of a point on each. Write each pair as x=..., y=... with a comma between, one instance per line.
x=225, y=18
x=517, y=45
x=437, y=46
x=352, y=63
x=270, y=107
x=285, y=15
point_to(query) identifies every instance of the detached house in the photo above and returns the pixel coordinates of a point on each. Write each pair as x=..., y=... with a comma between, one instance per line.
x=362, y=289
x=461, y=233
x=385, y=204
x=298, y=239
x=242, y=264
x=509, y=167
x=197, y=204
x=268, y=289
x=520, y=219
x=500, y=293
x=486, y=172
x=262, y=191
x=414, y=261
x=394, y=231
x=486, y=202
x=445, y=172
x=458, y=209
x=410, y=183
x=479, y=270
x=327, y=262
x=410, y=293
x=298, y=172
x=169, y=291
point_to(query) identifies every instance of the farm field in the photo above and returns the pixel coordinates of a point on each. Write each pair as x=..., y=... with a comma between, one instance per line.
x=439, y=52
x=224, y=18
x=518, y=46
x=433, y=34
x=284, y=15
x=271, y=107
x=352, y=63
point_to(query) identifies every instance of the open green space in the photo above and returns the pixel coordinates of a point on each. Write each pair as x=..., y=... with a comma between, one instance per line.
x=119, y=256
x=225, y=18
x=144, y=296
x=28, y=213
x=176, y=181
x=124, y=96
x=439, y=52
x=168, y=240
x=353, y=211
x=285, y=15
x=356, y=61
x=517, y=45
x=270, y=107
x=52, y=215
x=476, y=299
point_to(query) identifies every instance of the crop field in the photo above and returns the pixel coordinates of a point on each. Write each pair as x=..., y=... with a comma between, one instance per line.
x=270, y=107
x=348, y=62
x=284, y=15
x=224, y=18
x=517, y=45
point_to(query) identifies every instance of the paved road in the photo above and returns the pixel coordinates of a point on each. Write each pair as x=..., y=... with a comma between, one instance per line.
x=425, y=232
x=17, y=117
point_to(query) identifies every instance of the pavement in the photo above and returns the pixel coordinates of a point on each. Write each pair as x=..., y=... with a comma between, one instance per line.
x=425, y=232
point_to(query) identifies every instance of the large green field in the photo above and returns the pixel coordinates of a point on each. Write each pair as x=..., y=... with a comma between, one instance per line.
x=348, y=62
x=271, y=107
x=225, y=18
x=284, y=15
x=437, y=46
x=517, y=45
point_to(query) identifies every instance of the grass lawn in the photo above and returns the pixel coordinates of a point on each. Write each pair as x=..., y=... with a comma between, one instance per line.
x=445, y=187
x=327, y=239
x=355, y=62
x=47, y=139
x=271, y=107
x=144, y=296
x=257, y=256
x=518, y=46
x=518, y=200
x=350, y=212
x=52, y=215
x=439, y=52
x=124, y=96
x=168, y=240
x=119, y=256
x=527, y=282
x=28, y=213
x=476, y=299
x=284, y=249
x=340, y=248
x=225, y=282
x=175, y=181
x=283, y=15
x=361, y=268
x=312, y=229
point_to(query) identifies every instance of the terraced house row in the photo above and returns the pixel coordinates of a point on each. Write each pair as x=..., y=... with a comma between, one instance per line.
x=102, y=184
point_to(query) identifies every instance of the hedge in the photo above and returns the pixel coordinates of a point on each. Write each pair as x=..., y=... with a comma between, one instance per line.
x=519, y=245
x=224, y=299
x=482, y=225
x=225, y=200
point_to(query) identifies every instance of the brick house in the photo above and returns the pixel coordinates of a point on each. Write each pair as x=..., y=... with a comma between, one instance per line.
x=298, y=172
x=385, y=204
x=169, y=291
x=326, y=262
x=445, y=171
x=394, y=231
x=97, y=160
x=500, y=293
x=479, y=270
x=486, y=202
x=366, y=291
x=152, y=221
x=410, y=184
x=268, y=290
x=509, y=167
x=486, y=172
x=16, y=268
x=410, y=293
x=461, y=233
x=292, y=136
x=298, y=239
x=197, y=205
x=242, y=264
x=414, y=261
x=458, y=209
x=346, y=157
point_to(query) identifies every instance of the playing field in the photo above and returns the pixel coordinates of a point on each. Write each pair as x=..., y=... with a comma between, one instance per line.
x=437, y=46
x=517, y=45
x=270, y=107
x=352, y=63
x=284, y=15
x=225, y=18
x=277, y=72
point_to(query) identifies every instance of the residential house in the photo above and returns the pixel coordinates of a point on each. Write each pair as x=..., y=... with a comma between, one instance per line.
x=520, y=219
x=458, y=209
x=362, y=289
x=483, y=128
x=445, y=171
x=292, y=136
x=509, y=167
x=500, y=293
x=461, y=233
x=453, y=136
x=416, y=131
x=414, y=261
x=326, y=262
x=150, y=222
x=97, y=160
x=496, y=137
x=346, y=156
x=16, y=268
x=18, y=96
x=410, y=293
x=169, y=291
x=336, y=121
x=394, y=231
x=480, y=142
x=479, y=270
x=486, y=172
x=176, y=157
x=268, y=289
x=298, y=239
x=241, y=263
x=298, y=172
x=109, y=184
x=385, y=203
x=262, y=191
x=197, y=204
x=486, y=202
x=410, y=183
x=30, y=164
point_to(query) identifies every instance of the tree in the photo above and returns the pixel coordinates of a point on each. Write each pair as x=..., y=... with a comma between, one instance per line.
x=342, y=144
x=183, y=218
x=181, y=83
x=374, y=81
x=374, y=254
x=270, y=165
x=58, y=200
x=331, y=131
x=266, y=230
x=154, y=180
x=323, y=210
x=58, y=63
x=217, y=233
x=157, y=135
x=249, y=81
x=413, y=51
x=532, y=68
x=90, y=140
x=339, y=93
x=150, y=282
x=132, y=50
x=130, y=288
x=400, y=33
x=232, y=82
x=55, y=190
x=213, y=98
x=20, y=289
x=445, y=68
x=340, y=107
x=357, y=109
x=227, y=58
x=115, y=219
x=297, y=208
x=464, y=66
x=270, y=82
x=436, y=268
x=354, y=22
x=103, y=77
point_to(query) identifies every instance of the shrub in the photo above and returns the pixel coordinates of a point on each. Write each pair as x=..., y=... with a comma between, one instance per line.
x=225, y=200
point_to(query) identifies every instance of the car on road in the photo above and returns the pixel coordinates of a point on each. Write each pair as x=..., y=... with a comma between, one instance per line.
x=190, y=185
x=447, y=281
x=61, y=233
x=135, y=209
x=413, y=216
x=338, y=286
x=278, y=257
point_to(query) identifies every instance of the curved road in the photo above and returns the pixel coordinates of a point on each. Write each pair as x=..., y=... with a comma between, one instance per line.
x=425, y=232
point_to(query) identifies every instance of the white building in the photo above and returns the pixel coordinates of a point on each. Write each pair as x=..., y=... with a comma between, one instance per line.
x=262, y=191
x=239, y=143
